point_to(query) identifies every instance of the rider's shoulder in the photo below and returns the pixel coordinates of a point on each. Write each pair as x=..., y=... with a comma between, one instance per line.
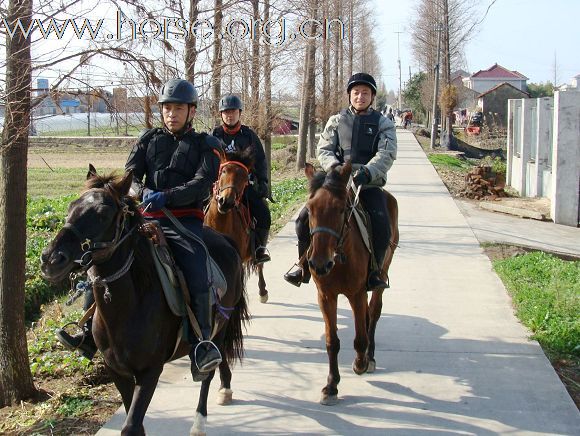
x=146, y=134
x=212, y=142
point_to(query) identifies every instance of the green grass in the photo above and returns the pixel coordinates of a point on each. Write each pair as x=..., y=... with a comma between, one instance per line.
x=46, y=183
x=451, y=162
x=546, y=294
x=287, y=194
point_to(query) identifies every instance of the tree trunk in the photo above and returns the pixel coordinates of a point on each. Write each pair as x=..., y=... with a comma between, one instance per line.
x=255, y=68
x=325, y=103
x=304, y=112
x=190, y=49
x=15, y=377
x=350, y=38
x=268, y=97
x=217, y=61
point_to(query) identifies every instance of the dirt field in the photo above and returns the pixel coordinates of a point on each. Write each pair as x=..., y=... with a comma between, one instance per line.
x=77, y=157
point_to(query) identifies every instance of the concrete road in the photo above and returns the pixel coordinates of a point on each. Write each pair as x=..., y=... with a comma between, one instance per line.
x=451, y=356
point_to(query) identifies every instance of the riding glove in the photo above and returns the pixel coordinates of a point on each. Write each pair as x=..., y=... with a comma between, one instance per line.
x=156, y=199
x=362, y=176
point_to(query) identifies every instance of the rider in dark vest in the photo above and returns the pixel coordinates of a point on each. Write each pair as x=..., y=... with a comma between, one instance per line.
x=366, y=138
x=175, y=167
x=237, y=137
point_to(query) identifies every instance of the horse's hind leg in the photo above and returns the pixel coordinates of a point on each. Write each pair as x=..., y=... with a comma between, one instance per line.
x=145, y=385
x=263, y=292
x=225, y=393
x=374, y=313
x=328, y=308
x=358, y=303
x=200, y=420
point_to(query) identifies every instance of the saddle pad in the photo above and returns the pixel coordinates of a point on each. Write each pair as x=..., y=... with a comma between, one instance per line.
x=172, y=293
x=216, y=278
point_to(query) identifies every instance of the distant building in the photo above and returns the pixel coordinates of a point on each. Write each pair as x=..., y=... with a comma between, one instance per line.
x=484, y=80
x=573, y=85
x=494, y=103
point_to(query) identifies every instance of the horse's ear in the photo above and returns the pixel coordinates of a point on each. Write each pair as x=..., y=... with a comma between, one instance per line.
x=92, y=172
x=346, y=170
x=125, y=184
x=309, y=171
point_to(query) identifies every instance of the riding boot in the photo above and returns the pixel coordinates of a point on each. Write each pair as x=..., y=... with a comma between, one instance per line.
x=302, y=273
x=205, y=355
x=261, y=254
x=83, y=341
x=375, y=281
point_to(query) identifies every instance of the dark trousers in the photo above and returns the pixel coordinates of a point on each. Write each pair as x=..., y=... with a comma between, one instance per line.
x=258, y=208
x=375, y=203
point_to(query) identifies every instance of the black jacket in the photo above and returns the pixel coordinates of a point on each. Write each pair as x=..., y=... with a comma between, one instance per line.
x=245, y=138
x=184, y=167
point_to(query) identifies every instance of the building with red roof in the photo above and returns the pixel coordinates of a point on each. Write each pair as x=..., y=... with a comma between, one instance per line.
x=484, y=80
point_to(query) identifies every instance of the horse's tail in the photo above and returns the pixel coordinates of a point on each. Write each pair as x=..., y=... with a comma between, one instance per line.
x=233, y=347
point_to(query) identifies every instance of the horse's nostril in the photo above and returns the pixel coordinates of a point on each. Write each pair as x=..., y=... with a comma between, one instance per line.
x=221, y=201
x=58, y=257
x=311, y=264
x=329, y=265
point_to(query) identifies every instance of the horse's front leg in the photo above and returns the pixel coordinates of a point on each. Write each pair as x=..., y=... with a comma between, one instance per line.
x=262, y=284
x=225, y=394
x=328, y=308
x=374, y=313
x=200, y=420
x=125, y=386
x=145, y=384
x=359, y=305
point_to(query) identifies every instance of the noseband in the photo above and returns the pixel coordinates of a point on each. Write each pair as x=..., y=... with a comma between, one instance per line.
x=219, y=189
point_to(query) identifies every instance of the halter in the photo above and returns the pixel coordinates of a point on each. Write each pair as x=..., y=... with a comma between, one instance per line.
x=218, y=190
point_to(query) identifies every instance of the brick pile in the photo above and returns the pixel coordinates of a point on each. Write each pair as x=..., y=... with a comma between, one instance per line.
x=482, y=182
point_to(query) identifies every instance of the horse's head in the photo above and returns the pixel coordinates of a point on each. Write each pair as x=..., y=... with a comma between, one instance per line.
x=327, y=206
x=233, y=178
x=93, y=226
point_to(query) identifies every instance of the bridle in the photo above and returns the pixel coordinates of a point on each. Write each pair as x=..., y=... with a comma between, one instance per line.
x=95, y=252
x=219, y=189
x=340, y=235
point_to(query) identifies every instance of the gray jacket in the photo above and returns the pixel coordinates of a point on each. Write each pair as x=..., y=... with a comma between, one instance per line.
x=328, y=148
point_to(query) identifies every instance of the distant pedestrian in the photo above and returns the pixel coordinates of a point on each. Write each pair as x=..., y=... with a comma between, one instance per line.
x=390, y=115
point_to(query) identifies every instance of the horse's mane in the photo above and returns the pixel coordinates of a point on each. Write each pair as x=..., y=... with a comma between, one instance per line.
x=142, y=267
x=330, y=181
x=245, y=157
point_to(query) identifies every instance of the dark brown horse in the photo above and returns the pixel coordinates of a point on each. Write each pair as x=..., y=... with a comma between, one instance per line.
x=229, y=215
x=339, y=260
x=133, y=325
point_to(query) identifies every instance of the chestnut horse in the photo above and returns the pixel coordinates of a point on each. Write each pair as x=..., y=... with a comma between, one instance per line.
x=133, y=325
x=227, y=214
x=339, y=261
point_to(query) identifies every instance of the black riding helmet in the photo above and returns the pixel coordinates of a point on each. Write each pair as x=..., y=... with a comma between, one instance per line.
x=178, y=91
x=362, y=79
x=230, y=101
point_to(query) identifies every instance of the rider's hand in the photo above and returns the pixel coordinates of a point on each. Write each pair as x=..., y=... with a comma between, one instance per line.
x=156, y=199
x=362, y=176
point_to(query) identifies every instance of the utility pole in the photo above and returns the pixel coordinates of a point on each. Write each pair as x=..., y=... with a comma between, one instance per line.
x=435, y=122
x=399, y=62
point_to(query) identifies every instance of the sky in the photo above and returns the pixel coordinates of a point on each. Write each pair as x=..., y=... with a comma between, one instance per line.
x=520, y=35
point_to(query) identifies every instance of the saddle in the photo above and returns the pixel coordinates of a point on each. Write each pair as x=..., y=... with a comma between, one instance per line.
x=173, y=281
x=363, y=221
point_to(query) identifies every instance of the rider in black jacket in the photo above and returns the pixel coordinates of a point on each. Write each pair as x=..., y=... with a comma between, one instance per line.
x=175, y=167
x=238, y=137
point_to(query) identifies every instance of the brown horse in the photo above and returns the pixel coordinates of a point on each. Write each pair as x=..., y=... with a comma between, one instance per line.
x=339, y=260
x=133, y=325
x=229, y=215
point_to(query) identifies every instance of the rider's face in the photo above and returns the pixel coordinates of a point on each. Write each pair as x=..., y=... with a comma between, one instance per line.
x=361, y=97
x=231, y=117
x=176, y=115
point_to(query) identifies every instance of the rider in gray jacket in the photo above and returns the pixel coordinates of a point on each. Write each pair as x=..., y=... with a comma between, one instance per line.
x=367, y=139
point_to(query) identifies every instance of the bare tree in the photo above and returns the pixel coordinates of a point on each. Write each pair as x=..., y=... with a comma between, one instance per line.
x=15, y=377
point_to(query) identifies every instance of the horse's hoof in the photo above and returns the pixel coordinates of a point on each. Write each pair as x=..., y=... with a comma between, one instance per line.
x=372, y=366
x=225, y=396
x=264, y=298
x=360, y=370
x=198, y=427
x=328, y=400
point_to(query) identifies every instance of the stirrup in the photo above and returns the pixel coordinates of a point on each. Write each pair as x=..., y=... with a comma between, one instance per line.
x=265, y=258
x=211, y=365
